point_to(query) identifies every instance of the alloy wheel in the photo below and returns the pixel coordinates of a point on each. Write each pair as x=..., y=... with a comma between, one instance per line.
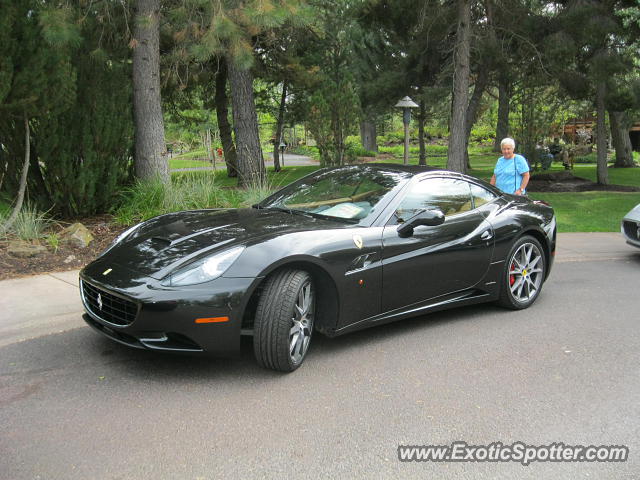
x=302, y=323
x=526, y=272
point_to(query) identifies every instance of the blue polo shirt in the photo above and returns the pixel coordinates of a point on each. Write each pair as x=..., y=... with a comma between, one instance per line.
x=509, y=173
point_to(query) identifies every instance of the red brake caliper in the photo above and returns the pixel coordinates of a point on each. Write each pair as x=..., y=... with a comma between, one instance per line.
x=512, y=277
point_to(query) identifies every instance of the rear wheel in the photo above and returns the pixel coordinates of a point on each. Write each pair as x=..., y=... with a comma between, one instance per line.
x=284, y=320
x=523, y=275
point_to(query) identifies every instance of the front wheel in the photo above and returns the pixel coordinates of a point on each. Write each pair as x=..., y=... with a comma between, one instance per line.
x=284, y=320
x=523, y=275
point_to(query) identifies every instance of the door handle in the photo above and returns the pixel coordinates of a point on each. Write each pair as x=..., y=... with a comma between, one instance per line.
x=487, y=235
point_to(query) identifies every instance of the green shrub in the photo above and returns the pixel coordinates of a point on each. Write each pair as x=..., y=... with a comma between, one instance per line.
x=432, y=150
x=482, y=133
x=435, y=131
x=53, y=240
x=391, y=138
x=357, y=150
x=5, y=208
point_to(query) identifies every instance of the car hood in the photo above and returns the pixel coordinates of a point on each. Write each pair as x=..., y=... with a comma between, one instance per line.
x=164, y=243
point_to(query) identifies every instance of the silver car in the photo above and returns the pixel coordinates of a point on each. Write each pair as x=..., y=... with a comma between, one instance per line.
x=630, y=226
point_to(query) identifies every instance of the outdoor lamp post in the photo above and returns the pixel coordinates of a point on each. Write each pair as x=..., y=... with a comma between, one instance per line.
x=406, y=104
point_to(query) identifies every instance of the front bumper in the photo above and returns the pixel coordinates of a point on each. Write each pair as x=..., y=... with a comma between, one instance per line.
x=143, y=314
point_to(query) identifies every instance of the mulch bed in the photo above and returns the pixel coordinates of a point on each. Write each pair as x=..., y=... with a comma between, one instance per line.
x=567, y=182
x=66, y=257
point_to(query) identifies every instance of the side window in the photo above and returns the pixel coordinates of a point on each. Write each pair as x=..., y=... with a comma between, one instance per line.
x=448, y=195
x=481, y=195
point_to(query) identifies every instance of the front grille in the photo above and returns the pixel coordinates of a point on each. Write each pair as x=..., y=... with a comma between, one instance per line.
x=631, y=229
x=108, y=307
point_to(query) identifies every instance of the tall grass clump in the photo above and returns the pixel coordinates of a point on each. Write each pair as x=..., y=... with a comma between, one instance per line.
x=186, y=191
x=149, y=198
x=253, y=193
x=30, y=224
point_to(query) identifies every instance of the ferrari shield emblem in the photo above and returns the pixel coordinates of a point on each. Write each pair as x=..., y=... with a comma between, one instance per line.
x=357, y=239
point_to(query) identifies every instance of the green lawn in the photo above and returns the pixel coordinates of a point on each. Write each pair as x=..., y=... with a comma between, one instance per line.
x=617, y=176
x=182, y=162
x=201, y=153
x=589, y=211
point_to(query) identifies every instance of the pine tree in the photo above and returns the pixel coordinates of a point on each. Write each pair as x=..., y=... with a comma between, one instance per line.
x=457, y=142
x=232, y=30
x=69, y=71
x=151, y=152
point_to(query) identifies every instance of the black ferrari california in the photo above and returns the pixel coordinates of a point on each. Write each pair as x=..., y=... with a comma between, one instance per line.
x=339, y=250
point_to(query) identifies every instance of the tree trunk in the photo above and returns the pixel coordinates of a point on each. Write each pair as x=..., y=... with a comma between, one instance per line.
x=504, y=101
x=368, y=134
x=528, y=139
x=23, y=178
x=472, y=110
x=601, y=135
x=151, y=150
x=207, y=144
x=456, y=159
x=251, y=170
x=422, y=116
x=222, y=114
x=620, y=138
x=279, y=125
x=339, y=147
x=40, y=189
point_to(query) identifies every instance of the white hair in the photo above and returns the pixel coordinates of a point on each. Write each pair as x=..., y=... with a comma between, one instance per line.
x=508, y=141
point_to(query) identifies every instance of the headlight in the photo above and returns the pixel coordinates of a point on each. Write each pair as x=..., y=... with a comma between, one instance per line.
x=203, y=270
x=121, y=237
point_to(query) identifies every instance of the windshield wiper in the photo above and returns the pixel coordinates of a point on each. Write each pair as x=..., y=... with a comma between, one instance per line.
x=287, y=210
x=332, y=218
x=279, y=209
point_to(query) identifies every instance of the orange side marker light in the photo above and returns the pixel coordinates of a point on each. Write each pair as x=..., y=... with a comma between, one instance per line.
x=212, y=320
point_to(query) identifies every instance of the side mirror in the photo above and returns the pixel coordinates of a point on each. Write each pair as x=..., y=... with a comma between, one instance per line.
x=429, y=218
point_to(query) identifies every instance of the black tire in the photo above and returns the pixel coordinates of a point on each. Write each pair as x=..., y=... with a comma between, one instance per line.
x=284, y=320
x=523, y=275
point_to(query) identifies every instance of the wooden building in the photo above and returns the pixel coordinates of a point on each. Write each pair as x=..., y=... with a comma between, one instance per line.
x=587, y=124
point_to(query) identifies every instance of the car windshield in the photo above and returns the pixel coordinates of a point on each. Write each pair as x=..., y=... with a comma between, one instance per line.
x=351, y=194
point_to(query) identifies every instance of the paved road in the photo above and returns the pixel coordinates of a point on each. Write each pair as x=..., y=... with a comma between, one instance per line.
x=75, y=405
